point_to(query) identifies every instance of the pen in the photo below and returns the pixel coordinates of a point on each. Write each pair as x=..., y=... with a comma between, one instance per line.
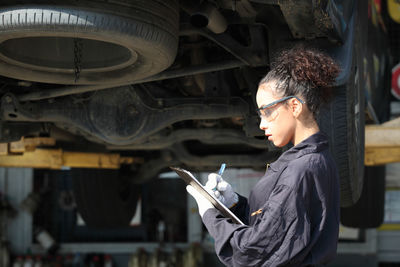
x=222, y=169
x=220, y=172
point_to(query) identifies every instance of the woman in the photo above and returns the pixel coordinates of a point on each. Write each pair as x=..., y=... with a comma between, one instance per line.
x=292, y=214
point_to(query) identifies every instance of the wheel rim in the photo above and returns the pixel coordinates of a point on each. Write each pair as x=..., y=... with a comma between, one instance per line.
x=59, y=54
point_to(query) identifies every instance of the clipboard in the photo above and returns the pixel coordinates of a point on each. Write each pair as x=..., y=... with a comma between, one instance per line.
x=191, y=180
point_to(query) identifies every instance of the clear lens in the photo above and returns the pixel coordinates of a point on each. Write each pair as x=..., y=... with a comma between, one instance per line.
x=268, y=114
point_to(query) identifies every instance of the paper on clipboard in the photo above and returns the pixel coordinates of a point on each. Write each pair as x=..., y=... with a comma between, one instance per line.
x=191, y=180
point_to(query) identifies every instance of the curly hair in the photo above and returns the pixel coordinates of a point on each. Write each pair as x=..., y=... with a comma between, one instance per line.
x=304, y=72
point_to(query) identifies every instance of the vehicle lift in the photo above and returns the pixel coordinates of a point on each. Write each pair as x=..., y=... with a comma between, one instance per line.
x=29, y=153
x=382, y=143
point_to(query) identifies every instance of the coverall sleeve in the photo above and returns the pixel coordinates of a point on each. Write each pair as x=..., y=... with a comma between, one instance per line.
x=241, y=209
x=280, y=232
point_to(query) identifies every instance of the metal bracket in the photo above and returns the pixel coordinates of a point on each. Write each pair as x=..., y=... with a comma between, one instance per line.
x=255, y=54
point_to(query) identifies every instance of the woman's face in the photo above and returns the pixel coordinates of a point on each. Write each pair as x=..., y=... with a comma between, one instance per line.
x=277, y=121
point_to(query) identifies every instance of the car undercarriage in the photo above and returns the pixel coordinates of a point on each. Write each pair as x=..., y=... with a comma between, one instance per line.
x=173, y=83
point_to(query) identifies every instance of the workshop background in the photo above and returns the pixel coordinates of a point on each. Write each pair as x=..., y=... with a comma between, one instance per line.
x=41, y=225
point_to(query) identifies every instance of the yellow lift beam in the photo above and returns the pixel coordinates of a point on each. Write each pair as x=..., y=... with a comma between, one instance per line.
x=25, y=154
x=382, y=143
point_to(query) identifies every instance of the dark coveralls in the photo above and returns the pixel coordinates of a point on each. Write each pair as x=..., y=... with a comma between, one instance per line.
x=297, y=222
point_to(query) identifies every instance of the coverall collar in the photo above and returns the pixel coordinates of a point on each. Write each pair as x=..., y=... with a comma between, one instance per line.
x=315, y=143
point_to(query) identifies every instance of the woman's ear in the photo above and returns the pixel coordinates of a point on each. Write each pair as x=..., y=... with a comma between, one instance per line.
x=296, y=107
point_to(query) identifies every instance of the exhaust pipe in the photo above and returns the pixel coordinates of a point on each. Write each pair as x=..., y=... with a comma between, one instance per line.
x=209, y=16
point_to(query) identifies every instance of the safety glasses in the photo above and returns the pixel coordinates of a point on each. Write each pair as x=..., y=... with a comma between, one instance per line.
x=268, y=113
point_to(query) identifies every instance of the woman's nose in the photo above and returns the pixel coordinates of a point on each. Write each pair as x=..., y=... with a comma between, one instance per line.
x=263, y=124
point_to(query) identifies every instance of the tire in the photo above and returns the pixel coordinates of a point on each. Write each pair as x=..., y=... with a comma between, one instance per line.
x=344, y=119
x=105, y=43
x=368, y=212
x=104, y=198
x=379, y=94
x=344, y=122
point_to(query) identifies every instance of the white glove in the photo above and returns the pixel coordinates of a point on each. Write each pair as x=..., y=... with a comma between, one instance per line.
x=222, y=190
x=202, y=203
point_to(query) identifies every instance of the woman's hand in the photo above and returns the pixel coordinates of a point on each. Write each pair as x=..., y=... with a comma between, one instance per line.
x=202, y=203
x=222, y=190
